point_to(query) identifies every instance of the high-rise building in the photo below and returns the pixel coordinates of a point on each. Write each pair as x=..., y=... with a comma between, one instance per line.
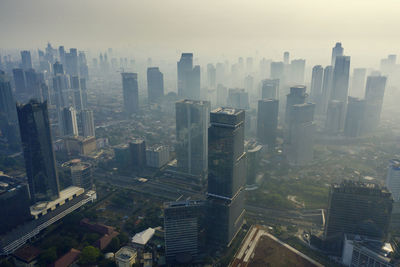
x=155, y=84
x=67, y=122
x=71, y=62
x=270, y=89
x=374, y=93
x=137, y=148
x=60, y=86
x=355, y=117
x=277, y=71
x=334, y=117
x=286, y=57
x=58, y=68
x=358, y=82
x=183, y=222
x=222, y=95
x=61, y=53
x=296, y=96
x=81, y=174
x=393, y=179
x=249, y=83
x=238, y=98
x=19, y=81
x=130, y=92
x=188, y=77
x=7, y=101
x=86, y=123
x=297, y=69
x=358, y=208
x=26, y=60
x=192, y=118
x=83, y=67
x=267, y=121
x=226, y=175
x=340, y=79
x=76, y=92
x=220, y=73
x=316, y=83
x=38, y=151
x=336, y=52
x=211, y=75
x=326, y=89
x=299, y=143
x=82, y=82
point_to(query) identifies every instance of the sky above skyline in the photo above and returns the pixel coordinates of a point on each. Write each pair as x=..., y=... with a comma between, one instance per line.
x=209, y=28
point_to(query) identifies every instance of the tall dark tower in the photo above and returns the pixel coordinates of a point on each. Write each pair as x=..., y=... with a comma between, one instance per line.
x=155, y=84
x=7, y=101
x=130, y=92
x=226, y=175
x=38, y=151
x=296, y=96
x=26, y=60
x=267, y=121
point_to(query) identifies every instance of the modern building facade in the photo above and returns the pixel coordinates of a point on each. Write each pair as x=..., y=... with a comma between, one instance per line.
x=374, y=94
x=340, y=79
x=137, y=149
x=238, y=98
x=155, y=84
x=67, y=122
x=270, y=89
x=188, y=77
x=358, y=208
x=334, y=122
x=226, y=175
x=130, y=92
x=192, y=119
x=38, y=151
x=296, y=96
x=267, y=121
x=355, y=117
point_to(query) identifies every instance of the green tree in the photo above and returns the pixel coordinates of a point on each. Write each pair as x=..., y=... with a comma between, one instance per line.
x=89, y=255
x=48, y=256
x=114, y=245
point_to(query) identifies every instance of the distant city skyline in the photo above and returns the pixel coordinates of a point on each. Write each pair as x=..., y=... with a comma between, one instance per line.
x=208, y=28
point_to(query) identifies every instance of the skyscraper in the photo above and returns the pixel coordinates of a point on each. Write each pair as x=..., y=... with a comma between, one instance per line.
x=67, y=122
x=277, y=71
x=222, y=95
x=183, y=222
x=334, y=117
x=38, y=151
x=297, y=69
x=340, y=79
x=286, y=57
x=81, y=174
x=226, y=175
x=296, y=96
x=155, y=84
x=130, y=92
x=58, y=68
x=270, y=89
x=336, y=51
x=374, y=93
x=211, y=75
x=19, y=81
x=393, y=179
x=76, y=92
x=238, y=98
x=326, y=90
x=7, y=101
x=355, y=117
x=358, y=208
x=299, y=143
x=26, y=60
x=137, y=148
x=71, y=62
x=358, y=82
x=192, y=118
x=86, y=123
x=316, y=83
x=188, y=77
x=267, y=121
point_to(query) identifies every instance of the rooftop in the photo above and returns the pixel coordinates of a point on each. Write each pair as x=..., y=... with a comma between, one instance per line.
x=227, y=111
x=143, y=237
x=27, y=253
x=67, y=259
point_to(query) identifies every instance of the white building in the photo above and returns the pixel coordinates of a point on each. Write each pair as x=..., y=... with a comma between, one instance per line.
x=157, y=156
x=126, y=257
x=141, y=239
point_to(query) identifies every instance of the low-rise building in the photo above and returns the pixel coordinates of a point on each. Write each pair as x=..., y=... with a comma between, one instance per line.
x=126, y=257
x=157, y=156
x=78, y=145
x=26, y=256
x=141, y=239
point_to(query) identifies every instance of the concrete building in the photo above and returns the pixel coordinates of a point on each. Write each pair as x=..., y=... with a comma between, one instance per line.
x=296, y=96
x=340, y=79
x=222, y=95
x=68, y=124
x=188, y=77
x=157, y=156
x=358, y=82
x=140, y=239
x=334, y=122
x=267, y=121
x=78, y=145
x=130, y=91
x=81, y=174
x=337, y=51
x=316, y=83
x=297, y=69
x=183, y=222
x=226, y=175
x=374, y=94
x=358, y=208
x=137, y=148
x=211, y=76
x=155, y=84
x=270, y=89
x=238, y=98
x=192, y=119
x=86, y=123
x=126, y=257
x=26, y=60
x=355, y=117
x=299, y=144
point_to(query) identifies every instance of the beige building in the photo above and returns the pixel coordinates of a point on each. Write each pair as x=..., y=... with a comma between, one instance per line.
x=125, y=257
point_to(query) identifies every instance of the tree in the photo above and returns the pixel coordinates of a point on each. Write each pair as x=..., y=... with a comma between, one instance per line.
x=114, y=245
x=48, y=256
x=89, y=255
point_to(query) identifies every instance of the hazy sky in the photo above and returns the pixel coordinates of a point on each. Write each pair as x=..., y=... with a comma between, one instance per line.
x=308, y=29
